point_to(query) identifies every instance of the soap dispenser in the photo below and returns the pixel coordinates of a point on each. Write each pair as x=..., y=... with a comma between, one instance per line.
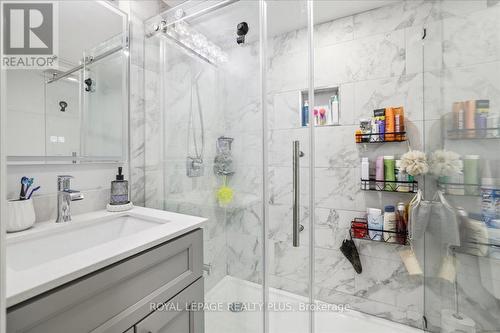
x=119, y=190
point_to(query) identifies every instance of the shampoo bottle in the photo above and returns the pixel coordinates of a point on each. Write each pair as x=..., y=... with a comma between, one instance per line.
x=390, y=224
x=471, y=174
x=389, y=173
x=305, y=114
x=482, y=110
x=334, y=110
x=458, y=113
x=375, y=223
x=401, y=178
x=365, y=173
x=379, y=115
x=399, y=123
x=456, y=180
x=389, y=124
x=379, y=172
x=401, y=224
x=374, y=135
x=470, y=119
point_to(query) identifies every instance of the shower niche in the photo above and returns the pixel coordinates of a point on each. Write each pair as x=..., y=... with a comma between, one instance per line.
x=326, y=112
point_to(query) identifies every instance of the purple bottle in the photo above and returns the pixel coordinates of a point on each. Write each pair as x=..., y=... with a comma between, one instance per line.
x=379, y=172
x=482, y=110
x=381, y=129
x=379, y=115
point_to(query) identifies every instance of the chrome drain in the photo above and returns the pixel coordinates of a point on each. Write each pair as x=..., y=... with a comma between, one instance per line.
x=236, y=307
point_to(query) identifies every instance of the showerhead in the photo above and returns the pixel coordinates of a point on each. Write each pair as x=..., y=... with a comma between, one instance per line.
x=241, y=30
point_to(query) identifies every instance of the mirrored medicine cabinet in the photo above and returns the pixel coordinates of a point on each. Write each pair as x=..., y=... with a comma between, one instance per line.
x=76, y=112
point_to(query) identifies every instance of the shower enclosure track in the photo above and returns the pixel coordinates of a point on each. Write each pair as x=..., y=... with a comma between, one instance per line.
x=87, y=62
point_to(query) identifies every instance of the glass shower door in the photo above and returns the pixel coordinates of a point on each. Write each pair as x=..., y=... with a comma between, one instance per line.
x=287, y=89
x=204, y=142
x=462, y=110
x=362, y=66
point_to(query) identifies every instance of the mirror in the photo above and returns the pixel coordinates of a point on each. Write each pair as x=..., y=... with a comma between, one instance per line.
x=76, y=112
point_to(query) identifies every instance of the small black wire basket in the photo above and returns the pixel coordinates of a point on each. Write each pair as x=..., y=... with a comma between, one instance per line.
x=359, y=230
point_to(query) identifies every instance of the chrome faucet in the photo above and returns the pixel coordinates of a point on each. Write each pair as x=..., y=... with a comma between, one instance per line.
x=64, y=197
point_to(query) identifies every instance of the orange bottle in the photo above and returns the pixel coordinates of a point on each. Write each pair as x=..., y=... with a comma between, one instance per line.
x=470, y=119
x=399, y=123
x=358, y=135
x=389, y=124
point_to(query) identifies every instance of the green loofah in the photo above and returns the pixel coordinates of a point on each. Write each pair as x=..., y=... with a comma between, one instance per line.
x=224, y=194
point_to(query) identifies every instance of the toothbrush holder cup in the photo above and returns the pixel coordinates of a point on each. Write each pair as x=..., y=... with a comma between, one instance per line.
x=20, y=215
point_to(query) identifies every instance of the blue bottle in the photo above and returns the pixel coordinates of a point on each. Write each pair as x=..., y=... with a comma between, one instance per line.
x=305, y=114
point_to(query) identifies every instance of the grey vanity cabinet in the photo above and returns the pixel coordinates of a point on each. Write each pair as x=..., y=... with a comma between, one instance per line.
x=117, y=298
x=180, y=320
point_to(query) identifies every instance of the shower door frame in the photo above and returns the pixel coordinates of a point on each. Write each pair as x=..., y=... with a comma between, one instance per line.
x=265, y=161
x=312, y=161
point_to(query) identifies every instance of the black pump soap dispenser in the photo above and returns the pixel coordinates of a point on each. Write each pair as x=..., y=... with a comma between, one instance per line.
x=119, y=190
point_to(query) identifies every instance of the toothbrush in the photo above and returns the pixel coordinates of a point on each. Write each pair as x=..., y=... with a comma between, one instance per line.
x=28, y=184
x=24, y=182
x=25, y=185
x=33, y=190
x=21, y=194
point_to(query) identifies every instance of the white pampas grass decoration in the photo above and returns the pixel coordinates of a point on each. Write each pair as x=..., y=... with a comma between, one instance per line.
x=414, y=163
x=444, y=163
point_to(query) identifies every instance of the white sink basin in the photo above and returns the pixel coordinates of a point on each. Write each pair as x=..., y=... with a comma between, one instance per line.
x=51, y=254
x=71, y=238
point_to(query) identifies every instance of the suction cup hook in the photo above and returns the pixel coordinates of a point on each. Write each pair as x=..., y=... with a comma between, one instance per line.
x=89, y=85
x=63, y=106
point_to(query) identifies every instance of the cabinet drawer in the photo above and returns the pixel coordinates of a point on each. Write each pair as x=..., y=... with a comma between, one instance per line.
x=175, y=316
x=116, y=297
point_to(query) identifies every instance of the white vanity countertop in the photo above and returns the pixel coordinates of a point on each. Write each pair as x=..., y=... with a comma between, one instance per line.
x=23, y=284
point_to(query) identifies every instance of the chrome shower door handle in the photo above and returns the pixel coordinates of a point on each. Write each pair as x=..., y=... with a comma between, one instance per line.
x=297, y=154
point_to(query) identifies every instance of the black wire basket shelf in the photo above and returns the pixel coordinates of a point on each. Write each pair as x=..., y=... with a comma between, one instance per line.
x=389, y=186
x=474, y=134
x=380, y=137
x=459, y=189
x=359, y=230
